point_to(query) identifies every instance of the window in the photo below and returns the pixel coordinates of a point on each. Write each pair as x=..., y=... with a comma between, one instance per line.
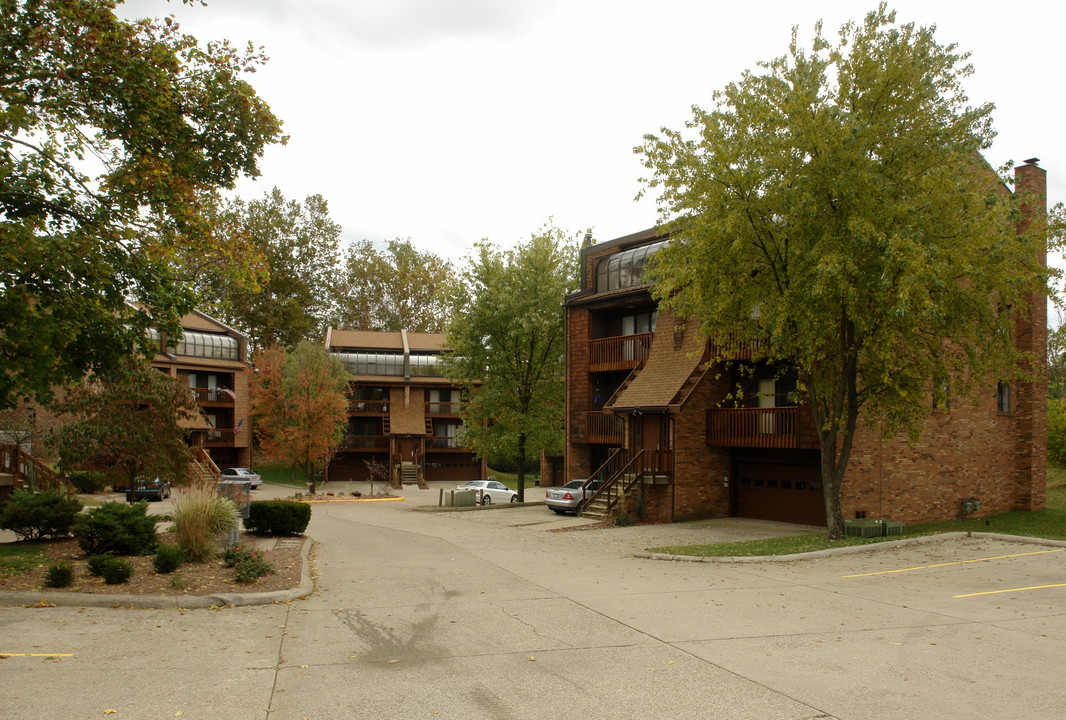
x=1003, y=397
x=208, y=345
x=941, y=394
x=624, y=269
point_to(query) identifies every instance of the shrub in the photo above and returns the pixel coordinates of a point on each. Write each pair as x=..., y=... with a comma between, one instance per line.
x=168, y=558
x=85, y=481
x=39, y=515
x=251, y=569
x=237, y=552
x=200, y=516
x=112, y=569
x=117, y=571
x=277, y=517
x=95, y=564
x=59, y=575
x=117, y=529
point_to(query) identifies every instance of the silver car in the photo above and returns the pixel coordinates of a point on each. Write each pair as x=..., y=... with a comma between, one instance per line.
x=243, y=474
x=567, y=497
x=491, y=491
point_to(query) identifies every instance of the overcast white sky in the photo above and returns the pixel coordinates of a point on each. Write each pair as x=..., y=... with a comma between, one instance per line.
x=447, y=121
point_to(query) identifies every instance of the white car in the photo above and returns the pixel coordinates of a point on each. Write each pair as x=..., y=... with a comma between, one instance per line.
x=243, y=474
x=491, y=491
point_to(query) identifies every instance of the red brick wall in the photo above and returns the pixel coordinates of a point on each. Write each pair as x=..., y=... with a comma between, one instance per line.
x=578, y=464
x=700, y=472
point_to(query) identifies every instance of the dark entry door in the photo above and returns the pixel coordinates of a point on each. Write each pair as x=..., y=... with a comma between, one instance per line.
x=790, y=493
x=408, y=450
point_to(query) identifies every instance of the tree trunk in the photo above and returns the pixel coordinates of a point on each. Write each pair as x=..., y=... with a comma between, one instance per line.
x=522, y=467
x=834, y=519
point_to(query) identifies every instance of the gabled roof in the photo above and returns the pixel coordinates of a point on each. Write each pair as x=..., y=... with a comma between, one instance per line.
x=666, y=369
x=373, y=340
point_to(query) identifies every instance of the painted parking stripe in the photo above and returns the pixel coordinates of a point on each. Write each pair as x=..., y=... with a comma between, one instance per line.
x=959, y=562
x=1022, y=589
x=4, y=654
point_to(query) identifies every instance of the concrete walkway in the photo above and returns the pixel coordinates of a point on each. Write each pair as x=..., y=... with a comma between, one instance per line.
x=492, y=614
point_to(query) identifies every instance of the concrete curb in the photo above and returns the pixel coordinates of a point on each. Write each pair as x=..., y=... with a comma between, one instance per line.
x=106, y=600
x=469, y=508
x=925, y=539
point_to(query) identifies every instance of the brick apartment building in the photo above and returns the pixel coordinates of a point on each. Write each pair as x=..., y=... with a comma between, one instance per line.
x=402, y=412
x=212, y=359
x=643, y=408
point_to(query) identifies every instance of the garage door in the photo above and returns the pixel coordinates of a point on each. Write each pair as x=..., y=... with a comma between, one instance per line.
x=790, y=493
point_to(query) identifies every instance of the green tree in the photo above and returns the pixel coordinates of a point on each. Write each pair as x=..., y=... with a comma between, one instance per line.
x=300, y=405
x=507, y=337
x=835, y=204
x=128, y=424
x=400, y=288
x=113, y=137
x=290, y=300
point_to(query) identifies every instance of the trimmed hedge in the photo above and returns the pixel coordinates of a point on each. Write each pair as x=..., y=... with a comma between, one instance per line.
x=277, y=517
x=34, y=516
x=116, y=529
x=87, y=481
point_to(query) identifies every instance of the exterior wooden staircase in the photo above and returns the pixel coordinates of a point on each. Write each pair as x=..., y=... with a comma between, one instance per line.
x=614, y=483
x=30, y=473
x=202, y=470
x=408, y=473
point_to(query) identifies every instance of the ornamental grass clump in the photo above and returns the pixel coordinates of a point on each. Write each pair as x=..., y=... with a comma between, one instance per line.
x=200, y=517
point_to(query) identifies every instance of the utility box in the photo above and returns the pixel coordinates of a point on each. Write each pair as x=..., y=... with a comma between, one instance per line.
x=460, y=498
x=872, y=528
x=239, y=491
x=863, y=528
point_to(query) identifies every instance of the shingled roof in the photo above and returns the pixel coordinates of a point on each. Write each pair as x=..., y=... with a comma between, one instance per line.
x=668, y=366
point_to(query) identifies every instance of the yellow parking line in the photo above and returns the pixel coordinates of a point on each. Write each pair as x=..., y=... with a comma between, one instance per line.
x=4, y=654
x=960, y=562
x=996, y=592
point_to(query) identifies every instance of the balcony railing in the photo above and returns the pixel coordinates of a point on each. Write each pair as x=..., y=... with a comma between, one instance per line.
x=603, y=427
x=622, y=352
x=365, y=442
x=443, y=408
x=738, y=350
x=779, y=427
x=443, y=443
x=212, y=395
x=370, y=407
x=220, y=438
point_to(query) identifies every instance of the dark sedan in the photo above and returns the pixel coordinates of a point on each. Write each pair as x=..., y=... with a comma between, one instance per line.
x=150, y=488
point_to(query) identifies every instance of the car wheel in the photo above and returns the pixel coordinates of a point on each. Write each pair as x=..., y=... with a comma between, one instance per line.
x=486, y=500
x=514, y=498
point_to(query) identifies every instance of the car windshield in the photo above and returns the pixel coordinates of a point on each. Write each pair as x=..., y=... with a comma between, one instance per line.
x=574, y=484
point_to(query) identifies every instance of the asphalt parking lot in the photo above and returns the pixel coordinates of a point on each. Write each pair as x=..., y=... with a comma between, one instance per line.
x=519, y=613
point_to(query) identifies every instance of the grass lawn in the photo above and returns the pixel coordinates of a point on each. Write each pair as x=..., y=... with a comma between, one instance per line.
x=20, y=558
x=511, y=479
x=1049, y=523
x=281, y=474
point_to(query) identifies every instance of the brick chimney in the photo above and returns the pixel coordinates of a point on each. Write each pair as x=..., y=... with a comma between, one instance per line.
x=1030, y=410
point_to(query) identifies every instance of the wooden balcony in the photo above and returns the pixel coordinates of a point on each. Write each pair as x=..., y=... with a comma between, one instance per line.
x=443, y=408
x=443, y=443
x=740, y=350
x=220, y=438
x=212, y=396
x=603, y=427
x=622, y=352
x=365, y=442
x=368, y=407
x=779, y=427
